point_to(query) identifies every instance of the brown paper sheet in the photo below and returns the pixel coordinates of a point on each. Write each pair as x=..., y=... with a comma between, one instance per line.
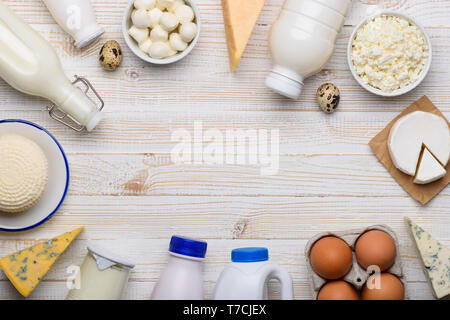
x=422, y=193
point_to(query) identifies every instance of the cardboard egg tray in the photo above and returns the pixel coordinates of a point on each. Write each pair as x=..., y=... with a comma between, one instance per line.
x=357, y=275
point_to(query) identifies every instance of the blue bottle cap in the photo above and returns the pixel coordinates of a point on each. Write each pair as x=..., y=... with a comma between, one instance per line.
x=188, y=247
x=250, y=255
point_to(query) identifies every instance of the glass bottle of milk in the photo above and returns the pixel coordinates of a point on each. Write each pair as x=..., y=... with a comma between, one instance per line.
x=29, y=64
x=302, y=41
x=103, y=276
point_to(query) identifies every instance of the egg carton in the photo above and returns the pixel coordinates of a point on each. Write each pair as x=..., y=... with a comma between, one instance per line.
x=357, y=275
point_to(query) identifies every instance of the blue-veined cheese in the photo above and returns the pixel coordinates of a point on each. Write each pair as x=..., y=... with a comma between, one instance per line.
x=26, y=268
x=435, y=258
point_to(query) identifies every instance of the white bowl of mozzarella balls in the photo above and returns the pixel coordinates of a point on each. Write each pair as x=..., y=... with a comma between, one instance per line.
x=161, y=31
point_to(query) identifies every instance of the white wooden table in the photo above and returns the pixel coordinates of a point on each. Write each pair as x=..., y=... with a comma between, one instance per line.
x=130, y=196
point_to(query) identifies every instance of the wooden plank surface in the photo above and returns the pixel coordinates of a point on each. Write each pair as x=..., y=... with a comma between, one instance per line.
x=130, y=195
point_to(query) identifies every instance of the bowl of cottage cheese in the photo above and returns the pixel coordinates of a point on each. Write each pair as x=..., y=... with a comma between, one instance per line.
x=389, y=54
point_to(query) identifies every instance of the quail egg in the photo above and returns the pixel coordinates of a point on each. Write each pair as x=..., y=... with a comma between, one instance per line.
x=110, y=55
x=328, y=96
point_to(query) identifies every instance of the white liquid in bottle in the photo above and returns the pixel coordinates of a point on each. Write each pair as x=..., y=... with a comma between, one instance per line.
x=302, y=41
x=29, y=64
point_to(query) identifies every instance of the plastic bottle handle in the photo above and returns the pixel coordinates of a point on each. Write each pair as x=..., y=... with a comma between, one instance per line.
x=285, y=280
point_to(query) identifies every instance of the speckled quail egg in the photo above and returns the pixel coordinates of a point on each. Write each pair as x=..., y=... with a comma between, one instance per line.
x=328, y=96
x=110, y=55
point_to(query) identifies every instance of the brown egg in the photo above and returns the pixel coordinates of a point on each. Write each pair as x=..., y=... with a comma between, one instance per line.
x=331, y=257
x=377, y=248
x=338, y=290
x=390, y=288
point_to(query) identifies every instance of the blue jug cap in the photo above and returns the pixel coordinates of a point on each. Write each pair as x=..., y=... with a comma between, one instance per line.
x=250, y=255
x=188, y=247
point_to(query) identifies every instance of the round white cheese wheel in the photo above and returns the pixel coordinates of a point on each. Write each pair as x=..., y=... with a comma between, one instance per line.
x=411, y=132
x=23, y=173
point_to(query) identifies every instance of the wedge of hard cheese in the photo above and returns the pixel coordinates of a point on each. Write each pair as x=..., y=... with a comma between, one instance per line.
x=435, y=258
x=429, y=170
x=240, y=17
x=26, y=268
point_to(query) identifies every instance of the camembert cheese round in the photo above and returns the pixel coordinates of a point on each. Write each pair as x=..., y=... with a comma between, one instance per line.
x=23, y=173
x=411, y=133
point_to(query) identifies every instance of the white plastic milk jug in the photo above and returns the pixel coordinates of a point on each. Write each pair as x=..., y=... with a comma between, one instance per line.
x=246, y=278
x=182, y=278
x=29, y=64
x=77, y=18
x=302, y=41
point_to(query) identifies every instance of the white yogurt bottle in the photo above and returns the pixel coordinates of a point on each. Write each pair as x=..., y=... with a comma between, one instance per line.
x=29, y=64
x=246, y=278
x=182, y=278
x=302, y=41
x=103, y=276
x=77, y=18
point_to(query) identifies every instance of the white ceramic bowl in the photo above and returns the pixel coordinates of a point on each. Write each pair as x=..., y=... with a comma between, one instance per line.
x=58, y=178
x=401, y=91
x=132, y=44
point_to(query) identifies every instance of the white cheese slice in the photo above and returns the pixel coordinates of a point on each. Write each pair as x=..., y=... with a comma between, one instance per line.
x=435, y=258
x=429, y=169
x=411, y=132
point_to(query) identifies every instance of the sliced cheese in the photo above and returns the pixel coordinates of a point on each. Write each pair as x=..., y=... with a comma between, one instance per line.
x=240, y=17
x=435, y=258
x=26, y=268
x=429, y=169
x=411, y=132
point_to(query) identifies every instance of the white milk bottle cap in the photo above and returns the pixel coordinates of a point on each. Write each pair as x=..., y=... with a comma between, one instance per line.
x=285, y=82
x=87, y=35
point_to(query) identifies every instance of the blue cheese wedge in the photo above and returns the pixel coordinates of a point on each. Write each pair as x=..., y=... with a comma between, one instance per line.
x=435, y=258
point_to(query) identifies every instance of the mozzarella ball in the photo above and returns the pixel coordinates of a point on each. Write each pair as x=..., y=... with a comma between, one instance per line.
x=161, y=50
x=144, y=4
x=176, y=42
x=145, y=45
x=159, y=34
x=184, y=13
x=175, y=4
x=169, y=21
x=138, y=34
x=140, y=18
x=188, y=31
x=154, y=15
x=163, y=4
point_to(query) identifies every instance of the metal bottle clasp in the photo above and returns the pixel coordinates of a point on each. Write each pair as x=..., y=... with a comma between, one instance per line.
x=66, y=119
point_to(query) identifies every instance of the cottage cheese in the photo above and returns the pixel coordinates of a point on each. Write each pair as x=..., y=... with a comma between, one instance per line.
x=389, y=53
